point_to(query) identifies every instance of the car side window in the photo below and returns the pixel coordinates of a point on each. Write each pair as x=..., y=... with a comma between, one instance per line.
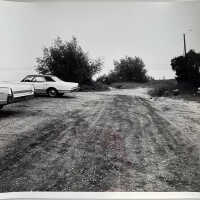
x=39, y=79
x=49, y=79
x=28, y=79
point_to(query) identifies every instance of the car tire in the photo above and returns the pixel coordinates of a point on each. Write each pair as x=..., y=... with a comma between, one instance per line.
x=52, y=92
x=1, y=107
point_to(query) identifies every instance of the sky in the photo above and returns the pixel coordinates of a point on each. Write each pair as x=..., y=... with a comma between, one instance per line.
x=106, y=29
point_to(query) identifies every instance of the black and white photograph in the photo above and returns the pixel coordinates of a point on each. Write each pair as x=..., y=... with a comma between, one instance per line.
x=99, y=96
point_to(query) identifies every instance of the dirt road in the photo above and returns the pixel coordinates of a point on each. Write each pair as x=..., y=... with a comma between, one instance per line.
x=109, y=141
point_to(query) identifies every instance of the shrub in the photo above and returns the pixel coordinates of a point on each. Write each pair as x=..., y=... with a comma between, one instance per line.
x=187, y=68
x=163, y=88
x=95, y=86
x=158, y=92
x=128, y=69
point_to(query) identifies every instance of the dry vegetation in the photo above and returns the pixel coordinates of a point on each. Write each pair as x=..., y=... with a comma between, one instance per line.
x=163, y=88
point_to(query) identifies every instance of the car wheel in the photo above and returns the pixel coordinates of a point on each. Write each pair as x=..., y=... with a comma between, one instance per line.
x=52, y=92
x=1, y=107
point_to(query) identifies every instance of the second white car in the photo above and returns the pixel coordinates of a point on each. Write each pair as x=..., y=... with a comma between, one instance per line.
x=50, y=85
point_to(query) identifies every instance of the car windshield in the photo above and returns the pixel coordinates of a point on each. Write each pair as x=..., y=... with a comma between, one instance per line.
x=27, y=79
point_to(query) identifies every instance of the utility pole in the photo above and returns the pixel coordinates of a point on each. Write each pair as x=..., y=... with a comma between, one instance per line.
x=184, y=44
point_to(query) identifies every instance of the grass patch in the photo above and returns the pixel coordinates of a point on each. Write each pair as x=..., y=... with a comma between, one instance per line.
x=172, y=88
x=163, y=88
x=159, y=88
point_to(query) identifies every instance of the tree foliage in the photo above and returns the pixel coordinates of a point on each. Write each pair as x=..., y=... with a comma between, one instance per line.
x=130, y=69
x=126, y=69
x=68, y=61
x=187, y=68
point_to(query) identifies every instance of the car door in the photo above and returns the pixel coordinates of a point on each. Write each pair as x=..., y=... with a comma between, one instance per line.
x=39, y=84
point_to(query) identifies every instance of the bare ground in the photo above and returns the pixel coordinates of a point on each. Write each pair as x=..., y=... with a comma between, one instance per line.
x=108, y=141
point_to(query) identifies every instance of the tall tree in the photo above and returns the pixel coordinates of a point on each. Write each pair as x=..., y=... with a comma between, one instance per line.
x=68, y=61
x=187, y=68
x=130, y=69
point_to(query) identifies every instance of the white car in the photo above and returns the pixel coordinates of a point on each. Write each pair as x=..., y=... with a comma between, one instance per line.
x=48, y=84
x=13, y=92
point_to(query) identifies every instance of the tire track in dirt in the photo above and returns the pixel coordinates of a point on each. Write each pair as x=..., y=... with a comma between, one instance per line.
x=31, y=152
x=140, y=165
x=130, y=153
x=178, y=167
x=113, y=143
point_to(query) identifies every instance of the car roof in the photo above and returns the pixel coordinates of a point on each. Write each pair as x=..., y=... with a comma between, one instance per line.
x=39, y=75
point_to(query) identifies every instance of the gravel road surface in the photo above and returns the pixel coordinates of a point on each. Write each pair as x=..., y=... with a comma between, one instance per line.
x=120, y=140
